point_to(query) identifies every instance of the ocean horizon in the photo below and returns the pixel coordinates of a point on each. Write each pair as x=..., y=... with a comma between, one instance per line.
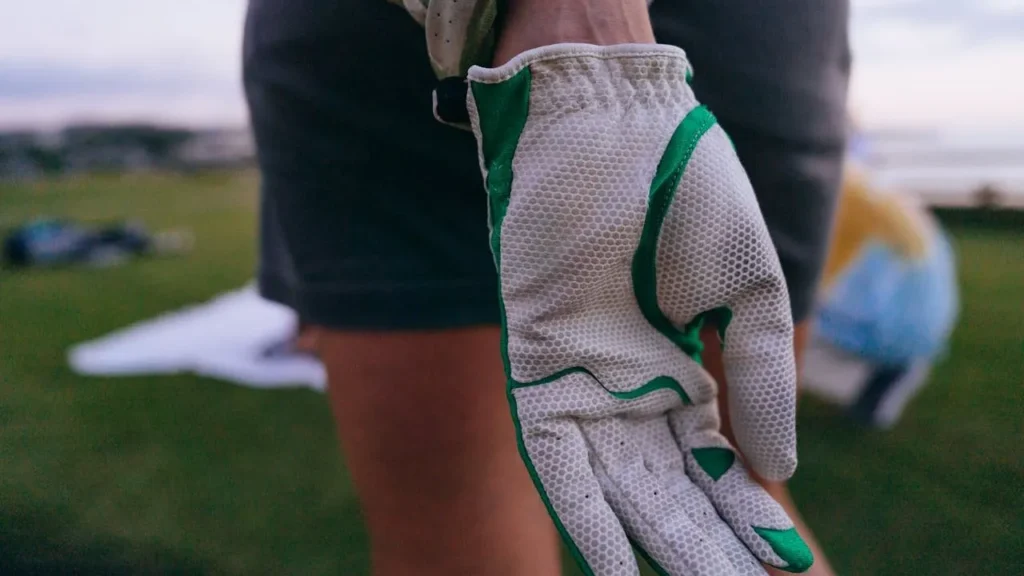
x=945, y=167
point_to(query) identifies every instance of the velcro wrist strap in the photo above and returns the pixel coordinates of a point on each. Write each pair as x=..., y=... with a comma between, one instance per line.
x=450, y=102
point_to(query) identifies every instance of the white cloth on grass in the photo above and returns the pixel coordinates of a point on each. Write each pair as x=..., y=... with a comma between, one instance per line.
x=236, y=337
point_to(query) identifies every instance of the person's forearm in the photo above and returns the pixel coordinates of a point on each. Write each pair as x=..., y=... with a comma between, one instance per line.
x=535, y=23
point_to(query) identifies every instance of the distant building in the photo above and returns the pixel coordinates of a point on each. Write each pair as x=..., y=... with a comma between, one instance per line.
x=216, y=148
x=128, y=148
x=25, y=155
x=18, y=166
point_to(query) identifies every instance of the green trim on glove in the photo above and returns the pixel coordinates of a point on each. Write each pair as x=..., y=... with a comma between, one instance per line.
x=790, y=547
x=503, y=109
x=714, y=461
x=502, y=119
x=663, y=189
x=659, y=383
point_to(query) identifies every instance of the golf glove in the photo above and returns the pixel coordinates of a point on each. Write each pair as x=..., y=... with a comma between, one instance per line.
x=621, y=219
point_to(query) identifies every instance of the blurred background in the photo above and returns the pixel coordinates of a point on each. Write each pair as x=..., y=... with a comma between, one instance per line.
x=158, y=417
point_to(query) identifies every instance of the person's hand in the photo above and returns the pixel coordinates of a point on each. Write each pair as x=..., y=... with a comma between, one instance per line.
x=621, y=219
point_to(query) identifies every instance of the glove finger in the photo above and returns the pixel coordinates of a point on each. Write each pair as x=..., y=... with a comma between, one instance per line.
x=665, y=461
x=658, y=526
x=761, y=372
x=715, y=257
x=556, y=454
x=752, y=514
x=757, y=329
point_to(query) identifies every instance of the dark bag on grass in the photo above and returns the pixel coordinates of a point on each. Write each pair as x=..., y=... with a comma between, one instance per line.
x=55, y=242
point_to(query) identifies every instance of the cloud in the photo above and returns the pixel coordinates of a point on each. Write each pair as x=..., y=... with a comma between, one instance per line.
x=980, y=20
x=966, y=90
x=918, y=62
x=877, y=4
x=226, y=109
x=48, y=94
x=66, y=60
x=197, y=34
x=906, y=39
x=1003, y=6
x=938, y=63
x=32, y=81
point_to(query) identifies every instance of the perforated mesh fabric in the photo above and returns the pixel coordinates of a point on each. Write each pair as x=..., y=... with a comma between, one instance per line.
x=566, y=249
x=608, y=406
x=715, y=251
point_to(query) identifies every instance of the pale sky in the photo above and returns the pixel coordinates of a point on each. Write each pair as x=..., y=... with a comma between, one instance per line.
x=917, y=63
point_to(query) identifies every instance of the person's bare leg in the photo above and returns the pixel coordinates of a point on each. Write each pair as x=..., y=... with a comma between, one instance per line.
x=429, y=441
x=713, y=363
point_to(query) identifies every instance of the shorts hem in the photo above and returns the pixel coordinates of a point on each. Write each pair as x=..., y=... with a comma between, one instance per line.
x=437, y=306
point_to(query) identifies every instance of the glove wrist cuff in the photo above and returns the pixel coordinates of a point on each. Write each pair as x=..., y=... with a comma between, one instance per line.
x=663, y=57
x=567, y=78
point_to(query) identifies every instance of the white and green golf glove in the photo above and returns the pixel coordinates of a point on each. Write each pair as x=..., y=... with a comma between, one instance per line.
x=621, y=219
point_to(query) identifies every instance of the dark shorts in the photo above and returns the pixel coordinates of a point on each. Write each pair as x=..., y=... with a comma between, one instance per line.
x=373, y=214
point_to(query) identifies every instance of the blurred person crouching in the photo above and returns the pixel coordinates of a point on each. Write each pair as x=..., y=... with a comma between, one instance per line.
x=887, y=305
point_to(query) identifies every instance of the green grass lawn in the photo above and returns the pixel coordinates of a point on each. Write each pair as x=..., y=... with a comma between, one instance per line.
x=183, y=475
